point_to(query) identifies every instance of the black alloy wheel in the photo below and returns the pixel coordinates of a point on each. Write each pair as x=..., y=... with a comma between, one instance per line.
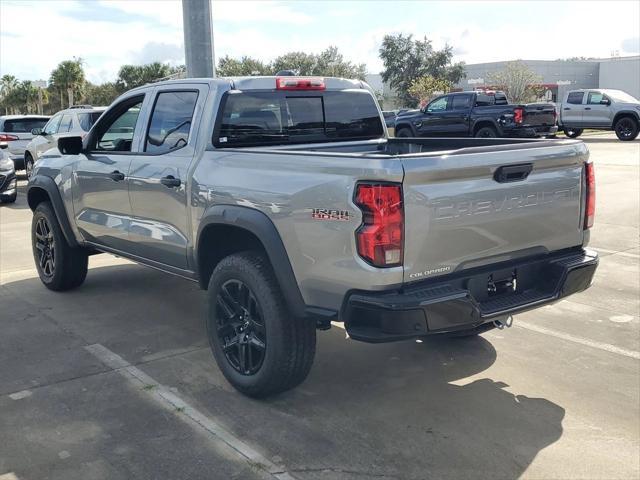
x=45, y=247
x=241, y=329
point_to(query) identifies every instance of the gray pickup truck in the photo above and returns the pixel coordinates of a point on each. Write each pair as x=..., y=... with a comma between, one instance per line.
x=285, y=200
x=600, y=109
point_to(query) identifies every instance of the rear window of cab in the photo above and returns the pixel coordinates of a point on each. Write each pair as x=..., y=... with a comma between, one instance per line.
x=254, y=118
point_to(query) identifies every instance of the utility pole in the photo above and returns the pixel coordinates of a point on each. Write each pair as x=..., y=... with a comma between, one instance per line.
x=198, y=38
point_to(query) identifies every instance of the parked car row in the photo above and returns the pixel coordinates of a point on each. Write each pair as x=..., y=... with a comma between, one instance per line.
x=489, y=115
x=24, y=138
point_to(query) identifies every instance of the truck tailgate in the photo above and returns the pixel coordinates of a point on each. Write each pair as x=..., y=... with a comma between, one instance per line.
x=490, y=204
x=539, y=114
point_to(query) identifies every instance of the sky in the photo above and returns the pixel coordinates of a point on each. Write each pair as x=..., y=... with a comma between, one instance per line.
x=35, y=35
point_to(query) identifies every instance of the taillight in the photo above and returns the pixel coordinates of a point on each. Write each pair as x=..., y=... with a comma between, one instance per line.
x=590, y=204
x=518, y=114
x=7, y=138
x=380, y=237
x=299, y=83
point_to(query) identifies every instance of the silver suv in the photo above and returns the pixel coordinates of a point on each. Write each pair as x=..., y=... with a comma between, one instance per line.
x=15, y=134
x=73, y=121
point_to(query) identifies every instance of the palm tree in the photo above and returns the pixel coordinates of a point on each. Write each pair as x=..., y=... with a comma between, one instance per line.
x=8, y=84
x=69, y=76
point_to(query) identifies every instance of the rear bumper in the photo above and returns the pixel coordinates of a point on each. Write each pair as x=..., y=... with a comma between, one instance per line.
x=462, y=302
x=531, y=132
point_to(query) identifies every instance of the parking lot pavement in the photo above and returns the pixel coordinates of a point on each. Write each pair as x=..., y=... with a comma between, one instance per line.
x=114, y=380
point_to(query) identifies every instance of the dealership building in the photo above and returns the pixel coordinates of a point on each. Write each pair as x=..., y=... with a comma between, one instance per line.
x=558, y=76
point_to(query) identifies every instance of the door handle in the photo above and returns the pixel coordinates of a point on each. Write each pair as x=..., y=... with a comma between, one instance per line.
x=170, y=181
x=587, y=108
x=512, y=173
x=116, y=176
x=566, y=108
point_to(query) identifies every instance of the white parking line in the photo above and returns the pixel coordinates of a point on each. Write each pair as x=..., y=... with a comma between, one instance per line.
x=617, y=252
x=177, y=405
x=607, y=347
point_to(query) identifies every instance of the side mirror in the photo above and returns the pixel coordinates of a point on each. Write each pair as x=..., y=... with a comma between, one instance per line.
x=36, y=131
x=605, y=101
x=70, y=145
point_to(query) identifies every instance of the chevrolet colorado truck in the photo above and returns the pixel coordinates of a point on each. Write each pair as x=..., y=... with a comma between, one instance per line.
x=285, y=200
x=600, y=109
x=477, y=114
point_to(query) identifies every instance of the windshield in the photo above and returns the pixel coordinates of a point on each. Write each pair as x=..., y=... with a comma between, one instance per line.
x=276, y=118
x=620, y=96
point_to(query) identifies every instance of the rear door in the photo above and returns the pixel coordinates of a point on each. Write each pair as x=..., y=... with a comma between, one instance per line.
x=158, y=184
x=595, y=113
x=101, y=194
x=489, y=205
x=572, y=110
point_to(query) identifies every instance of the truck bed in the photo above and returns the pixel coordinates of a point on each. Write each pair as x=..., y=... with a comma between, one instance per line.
x=468, y=202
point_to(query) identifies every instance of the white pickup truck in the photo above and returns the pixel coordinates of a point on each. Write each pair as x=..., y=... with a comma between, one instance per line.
x=601, y=110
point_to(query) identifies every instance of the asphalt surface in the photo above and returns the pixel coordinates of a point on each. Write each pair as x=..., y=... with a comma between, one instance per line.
x=114, y=380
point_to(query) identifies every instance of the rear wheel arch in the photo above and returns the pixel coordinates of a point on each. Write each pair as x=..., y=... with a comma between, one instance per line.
x=484, y=123
x=229, y=229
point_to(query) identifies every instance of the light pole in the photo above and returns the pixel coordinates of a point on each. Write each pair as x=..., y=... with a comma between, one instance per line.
x=198, y=38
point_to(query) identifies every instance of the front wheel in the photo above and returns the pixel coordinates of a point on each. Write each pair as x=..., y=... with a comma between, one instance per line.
x=404, y=133
x=626, y=129
x=573, y=132
x=259, y=346
x=60, y=266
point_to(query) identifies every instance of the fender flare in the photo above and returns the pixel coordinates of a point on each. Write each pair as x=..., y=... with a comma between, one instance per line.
x=492, y=121
x=41, y=182
x=260, y=225
x=405, y=125
x=625, y=113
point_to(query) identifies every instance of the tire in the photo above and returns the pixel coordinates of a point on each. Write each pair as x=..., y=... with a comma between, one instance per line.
x=486, y=132
x=276, y=348
x=626, y=129
x=28, y=164
x=573, y=132
x=60, y=266
x=404, y=133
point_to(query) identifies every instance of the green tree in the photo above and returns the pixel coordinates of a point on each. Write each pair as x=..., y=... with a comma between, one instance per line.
x=8, y=83
x=300, y=62
x=69, y=76
x=100, y=95
x=423, y=88
x=131, y=76
x=406, y=59
x=519, y=83
x=231, y=67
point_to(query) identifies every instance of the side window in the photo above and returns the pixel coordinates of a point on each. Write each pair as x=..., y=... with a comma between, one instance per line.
x=438, y=105
x=117, y=134
x=595, y=98
x=575, y=98
x=170, y=121
x=52, y=126
x=86, y=120
x=65, y=123
x=461, y=102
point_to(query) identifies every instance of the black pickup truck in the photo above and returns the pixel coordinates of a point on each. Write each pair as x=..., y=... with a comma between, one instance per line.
x=477, y=114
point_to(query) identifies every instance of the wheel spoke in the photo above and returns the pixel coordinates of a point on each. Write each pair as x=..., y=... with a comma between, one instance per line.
x=230, y=344
x=226, y=302
x=40, y=246
x=256, y=342
x=242, y=350
x=43, y=260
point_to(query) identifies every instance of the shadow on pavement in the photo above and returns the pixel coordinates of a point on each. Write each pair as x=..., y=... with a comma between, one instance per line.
x=403, y=410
